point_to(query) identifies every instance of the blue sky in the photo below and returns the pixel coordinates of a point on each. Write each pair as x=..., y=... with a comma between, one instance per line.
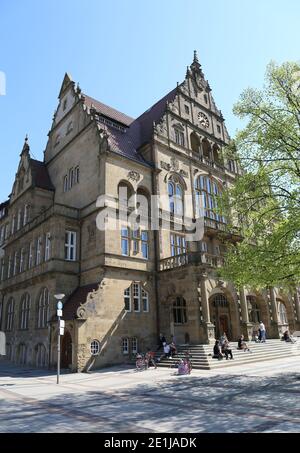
x=128, y=54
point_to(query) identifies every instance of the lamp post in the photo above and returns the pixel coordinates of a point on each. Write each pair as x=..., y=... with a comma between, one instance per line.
x=59, y=298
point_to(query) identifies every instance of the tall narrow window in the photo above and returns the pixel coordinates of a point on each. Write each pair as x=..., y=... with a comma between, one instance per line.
x=282, y=313
x=43, y=309
x=13, y=224
x=70, y=246
x=16, y=258
x=25, y=311
x=179, y=137
x=136, y=297
x=30, y=256
x=179, y=311
x=25, y=218
x=66, y=183
x=135, y=241
x=175, y=193
x=145, y=301
x=19, y=219
x=71, y=178
x=2, y=272
x=125, y=346
x=10, y=312
x=127, y=299
x=38, y=251
x=145, y=244
x=77, y=175
x=134, y=345
x=47, y=247
x=125, y=241
x=9, y=268
x=22, y=260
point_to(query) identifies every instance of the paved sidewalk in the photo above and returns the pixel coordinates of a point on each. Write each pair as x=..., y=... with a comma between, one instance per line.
x=257, y=398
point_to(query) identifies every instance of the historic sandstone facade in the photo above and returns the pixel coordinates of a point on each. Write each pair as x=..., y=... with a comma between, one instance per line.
x=122, y=288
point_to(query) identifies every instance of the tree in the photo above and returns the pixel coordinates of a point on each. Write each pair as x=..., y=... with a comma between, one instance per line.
x=265, y=199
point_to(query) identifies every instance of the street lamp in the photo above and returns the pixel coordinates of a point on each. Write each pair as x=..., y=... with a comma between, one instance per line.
x=59, y=298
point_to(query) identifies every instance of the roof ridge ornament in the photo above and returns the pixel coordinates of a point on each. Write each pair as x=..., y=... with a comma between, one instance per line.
x=26, y=146
x=196, y=66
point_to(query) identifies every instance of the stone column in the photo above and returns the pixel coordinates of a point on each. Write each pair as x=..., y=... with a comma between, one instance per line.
x=209, y=328
x=247, y=327
x=297, y=306
x=274, y=323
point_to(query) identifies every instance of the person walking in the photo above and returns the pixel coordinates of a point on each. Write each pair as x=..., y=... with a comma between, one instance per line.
x=161, y=341
x=262, y=332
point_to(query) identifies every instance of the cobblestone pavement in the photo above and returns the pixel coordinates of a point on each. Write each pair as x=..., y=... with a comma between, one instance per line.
x=257, y=398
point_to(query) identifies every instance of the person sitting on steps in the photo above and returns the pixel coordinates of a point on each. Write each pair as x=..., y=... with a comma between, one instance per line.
x=242, y=344
x=217, y=351
x=227, y=350
x=288, y=338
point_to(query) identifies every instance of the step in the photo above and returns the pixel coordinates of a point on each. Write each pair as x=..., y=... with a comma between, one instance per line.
x=271, y=350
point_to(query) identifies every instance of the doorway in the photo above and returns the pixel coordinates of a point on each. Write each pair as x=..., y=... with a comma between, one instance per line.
x=220, y=315
x=66, y=351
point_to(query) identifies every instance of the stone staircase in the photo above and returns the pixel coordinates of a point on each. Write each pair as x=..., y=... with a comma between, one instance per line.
x=202, y=354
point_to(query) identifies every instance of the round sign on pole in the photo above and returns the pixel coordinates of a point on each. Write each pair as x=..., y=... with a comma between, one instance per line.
x=59, y=305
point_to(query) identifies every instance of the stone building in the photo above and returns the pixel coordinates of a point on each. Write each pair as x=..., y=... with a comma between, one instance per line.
x=124, y=286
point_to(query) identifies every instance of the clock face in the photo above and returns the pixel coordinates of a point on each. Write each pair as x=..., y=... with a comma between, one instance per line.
x=203, y=120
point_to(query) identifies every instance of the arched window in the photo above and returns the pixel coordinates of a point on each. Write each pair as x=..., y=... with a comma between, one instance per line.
x=66, y=183
x=207, y=190
x=25, y=311
x=125, y=192
x=41, y=356
x=195, y=142
x=143, y=202
x=22, y=354
x=219, y=300
x=282, y=313
x=10, y=312
x=206, y=148
x=253, y=309
x=175, y=193
x=179, y=311
x=43, y=309
x=217, y=155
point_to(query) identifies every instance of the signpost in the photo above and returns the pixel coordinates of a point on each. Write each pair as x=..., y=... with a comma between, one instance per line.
x=60, y=328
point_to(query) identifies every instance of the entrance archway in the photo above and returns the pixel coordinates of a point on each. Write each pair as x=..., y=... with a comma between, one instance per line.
x=221, y=316
x=66, y=350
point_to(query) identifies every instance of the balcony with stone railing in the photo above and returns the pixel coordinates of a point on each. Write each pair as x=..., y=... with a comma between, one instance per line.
x=202, y=258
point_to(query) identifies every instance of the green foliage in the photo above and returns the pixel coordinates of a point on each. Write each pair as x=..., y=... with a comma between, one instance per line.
x=265, y=200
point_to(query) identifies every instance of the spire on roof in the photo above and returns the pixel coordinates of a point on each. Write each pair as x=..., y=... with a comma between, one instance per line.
x=196, y=66
x=26, y=147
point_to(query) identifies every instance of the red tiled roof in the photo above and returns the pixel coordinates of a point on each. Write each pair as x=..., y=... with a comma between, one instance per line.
x=107, y=111
x=40, y=175
x=79, y=296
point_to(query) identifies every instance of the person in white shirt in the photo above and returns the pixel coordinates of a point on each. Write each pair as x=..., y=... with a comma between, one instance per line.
x=262, y=332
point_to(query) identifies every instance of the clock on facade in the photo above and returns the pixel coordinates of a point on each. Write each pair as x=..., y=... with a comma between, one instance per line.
x=203, y=120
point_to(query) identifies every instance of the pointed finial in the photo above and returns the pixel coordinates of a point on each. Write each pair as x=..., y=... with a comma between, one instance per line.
x=195, y=66
x=195, y=57
x=25, y=146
